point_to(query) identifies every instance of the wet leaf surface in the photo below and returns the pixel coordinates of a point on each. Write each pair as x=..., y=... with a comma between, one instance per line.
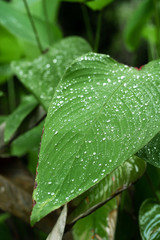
x=102, y=113
x=42, y=75
x=117, y=181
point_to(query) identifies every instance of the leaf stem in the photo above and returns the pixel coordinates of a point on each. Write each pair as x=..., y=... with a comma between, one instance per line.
x=87, y=23
x=151, y=186
x=47, y=20
x=98, y=32
x=33, y=26
x=11, y=95
x=157, y=20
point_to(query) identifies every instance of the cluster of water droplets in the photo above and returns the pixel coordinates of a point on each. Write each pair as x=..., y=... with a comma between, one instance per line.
x=100, y=116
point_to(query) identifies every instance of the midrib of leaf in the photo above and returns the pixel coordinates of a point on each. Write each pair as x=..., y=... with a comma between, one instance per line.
x=84, y=134
x=95, y=119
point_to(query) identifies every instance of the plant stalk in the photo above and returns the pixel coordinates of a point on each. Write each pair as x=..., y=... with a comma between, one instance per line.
x=46, y=20
x=33, y=26
x=98, y=32
x=151, y=187
x=87, y=24
x=157, y=20
x=11, y=95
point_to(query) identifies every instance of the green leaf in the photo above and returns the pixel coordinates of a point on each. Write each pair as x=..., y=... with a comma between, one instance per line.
x=9, y=46
x=1, y=93
x=151, y=152
x=93, y=4
x=136, y=24
x=98, y=4
x=117, y=181
x=15, y=119
x=28, y=141
x=102, y=113
x=150, y=33
x=74, y=0
x=42, y=75
x=46, y=11
x=19, y=25
x=98, y=225
x=149, y=220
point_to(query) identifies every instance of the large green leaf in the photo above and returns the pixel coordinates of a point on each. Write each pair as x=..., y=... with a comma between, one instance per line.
x=98, y=225
x=28, y=141
x=137, y=22
x=19, y=25
x=103, y=112
x=117, y=181
x=15, y=119
x=43, y=74
x=149, y=220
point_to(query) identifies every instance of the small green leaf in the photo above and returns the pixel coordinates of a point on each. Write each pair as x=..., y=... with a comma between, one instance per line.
x=137, y=22
x=93, y=4
x=150, y=33
x=1, y=93
x=98, y=4
x=99, y=225
x=102, y=113
x=42, y=75
x=28, y=141
x=15, y=119
x=74, y=0
x=117, y=181
x=4, y=216
x=10, y=48
x=19, y=25
x=149, y=220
